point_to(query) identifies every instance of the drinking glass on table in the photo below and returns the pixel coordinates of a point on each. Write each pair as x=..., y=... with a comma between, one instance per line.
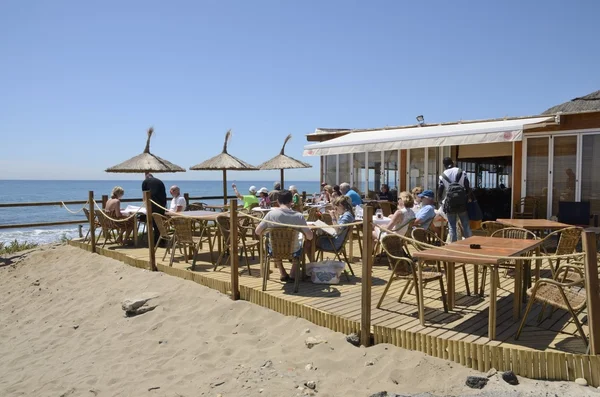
x=379, y=213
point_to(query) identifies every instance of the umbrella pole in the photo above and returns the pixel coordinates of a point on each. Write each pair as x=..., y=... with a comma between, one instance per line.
x=281, y=177
x=224, y=187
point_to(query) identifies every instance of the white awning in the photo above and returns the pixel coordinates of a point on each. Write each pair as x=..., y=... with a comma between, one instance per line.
x=419, y=137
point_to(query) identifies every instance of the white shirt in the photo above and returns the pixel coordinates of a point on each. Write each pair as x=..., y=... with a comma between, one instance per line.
x=451, y=173
x=176, y=202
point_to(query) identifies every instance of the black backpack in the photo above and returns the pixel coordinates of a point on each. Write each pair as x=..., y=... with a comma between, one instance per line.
x=456, y=195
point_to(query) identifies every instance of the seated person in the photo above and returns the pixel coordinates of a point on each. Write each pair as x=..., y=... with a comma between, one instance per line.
x=427, y=211
x=285, y=215
x=328, y=191
x=274, y=194
x=178, y=202
x=385, y=194
x=336, y=192
x=298, y=204
x=342, y=214
x=264, y=201
x=354, y=196
x=248, y=199
x=415, y=193
x=399, y=220
x=113, y=210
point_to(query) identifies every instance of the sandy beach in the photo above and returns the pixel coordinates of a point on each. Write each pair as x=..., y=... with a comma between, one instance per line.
x=64, y=333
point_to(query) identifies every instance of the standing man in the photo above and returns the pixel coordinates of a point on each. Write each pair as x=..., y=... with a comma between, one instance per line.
x=346, y=191
x=178, y=202
x=455, y=184
x=158, y=194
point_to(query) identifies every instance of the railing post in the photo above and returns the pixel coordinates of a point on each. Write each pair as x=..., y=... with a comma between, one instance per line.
x=186, y=196
x=592, y=290
x=150, y=229
x=104, y=200
x=303, y=196
x=233, y=249
x=92, y=217
x=367, y=258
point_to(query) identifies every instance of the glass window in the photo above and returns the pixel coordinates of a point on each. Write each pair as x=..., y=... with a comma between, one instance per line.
x=416, y=168
x=329, y=169
x=360, y=176
x=536, y=180
x=432, y=168
x=590, y=172
x=344, y=168
x=563, y=170
x=375, y=171
x=391, y=169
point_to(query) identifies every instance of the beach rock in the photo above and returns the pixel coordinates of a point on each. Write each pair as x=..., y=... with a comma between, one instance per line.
x=369, y=363
x=311, y=341
x=386, y=394
x=267, y=364
x=492, y=372
x=353, y=339
x=311, y=384
x=476, y=382
x=75, y=326
x=581, y=381
x=308, y=367
x=510, y=378
x=136, y=306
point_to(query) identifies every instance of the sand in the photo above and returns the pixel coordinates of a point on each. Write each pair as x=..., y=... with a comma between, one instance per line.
x=64, y=334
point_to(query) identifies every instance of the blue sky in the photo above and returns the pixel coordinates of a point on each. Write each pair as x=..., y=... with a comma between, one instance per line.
x=82, y=81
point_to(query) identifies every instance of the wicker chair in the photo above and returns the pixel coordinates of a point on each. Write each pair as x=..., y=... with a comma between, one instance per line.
x=568, y=240
x=313, y=214
x=569, y=295
x=404, y=268
x=337, y=252
x=386, y=208
x=408, y=233
x=97, y=225
x=489, y=227
x=282, y=241
x=166, y=235
x=112, y=231
x=427, y=238
x=526, y=208
x=224, y=224
x=196, y=207
x=183, y=237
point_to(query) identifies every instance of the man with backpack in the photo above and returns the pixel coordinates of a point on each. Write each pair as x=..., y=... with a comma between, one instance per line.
x=455, y=184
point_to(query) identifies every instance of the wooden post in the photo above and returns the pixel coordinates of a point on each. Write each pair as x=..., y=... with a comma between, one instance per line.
x=150, y=229
x=186, y=196
x=281, y=178
x=592, y=290
x=92, y=217
x=303, y=197
x=233, y=250
x=224, y=186
x=104, y=200
x=367, y=258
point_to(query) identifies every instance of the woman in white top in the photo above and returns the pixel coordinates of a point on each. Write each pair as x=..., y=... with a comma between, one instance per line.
x=399, y=220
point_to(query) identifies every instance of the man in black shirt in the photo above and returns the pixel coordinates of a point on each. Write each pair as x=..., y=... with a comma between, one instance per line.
x=158, y=194
x=385, y=193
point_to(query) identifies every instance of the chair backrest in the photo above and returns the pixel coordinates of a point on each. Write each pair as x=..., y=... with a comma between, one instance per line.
x=223, y=222
x=282, y=240
x=489, y=227
x=514, y=232
x=312, y=214
x=527, y=207
x=386, y=207
x=568, y=240
x=326, y=217
x=393, y=245
x=162, y=223
x=86, y=212
x=196, y=207
x=426, y=237
x=104, y=220
x=183, y=229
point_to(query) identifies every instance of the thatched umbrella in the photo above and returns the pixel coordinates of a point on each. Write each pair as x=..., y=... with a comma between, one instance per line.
x=283, y=161
x=146, y=162
x=224, y=161
x=587, y=103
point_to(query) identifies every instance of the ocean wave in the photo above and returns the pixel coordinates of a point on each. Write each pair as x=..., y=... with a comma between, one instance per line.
x=39, y=236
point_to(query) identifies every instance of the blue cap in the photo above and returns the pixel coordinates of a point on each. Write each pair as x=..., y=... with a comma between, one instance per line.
x=427, y=193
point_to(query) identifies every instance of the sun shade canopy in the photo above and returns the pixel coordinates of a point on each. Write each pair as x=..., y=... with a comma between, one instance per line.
x=420, y=137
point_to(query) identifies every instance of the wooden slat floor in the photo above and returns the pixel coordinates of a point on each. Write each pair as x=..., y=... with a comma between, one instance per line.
x=468, y=321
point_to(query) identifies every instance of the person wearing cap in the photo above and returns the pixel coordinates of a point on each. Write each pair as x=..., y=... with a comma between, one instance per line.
x=427, y=211
x=248, y=199
x=264, y=201
x=274, y=194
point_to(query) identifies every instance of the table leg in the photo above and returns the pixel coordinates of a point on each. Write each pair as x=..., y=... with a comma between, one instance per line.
x=420, y=292
x=451, y=284
x=493, y=270
x=518, y=286
x=351, y=248
x=475, y=279
x=538, y=263
x=135, y=232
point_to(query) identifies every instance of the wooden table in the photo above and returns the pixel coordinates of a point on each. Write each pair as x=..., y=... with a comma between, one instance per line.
x=214, y=207
x=534, y=224
x=462, y=253
x=203, y=217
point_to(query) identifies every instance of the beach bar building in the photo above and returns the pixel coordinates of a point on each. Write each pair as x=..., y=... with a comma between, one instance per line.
x=548, y=157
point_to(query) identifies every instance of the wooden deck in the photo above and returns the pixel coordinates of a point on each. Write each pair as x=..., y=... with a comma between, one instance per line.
x=550, y=350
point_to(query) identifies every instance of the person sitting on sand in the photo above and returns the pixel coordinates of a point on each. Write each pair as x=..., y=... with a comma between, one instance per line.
x=287, y=216
x=264, y=201
x=250, y=200
x=113, y=210
x=178, y=202
x=400, y=219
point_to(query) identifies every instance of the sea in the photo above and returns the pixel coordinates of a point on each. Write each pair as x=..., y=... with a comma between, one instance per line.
x=27, y=191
